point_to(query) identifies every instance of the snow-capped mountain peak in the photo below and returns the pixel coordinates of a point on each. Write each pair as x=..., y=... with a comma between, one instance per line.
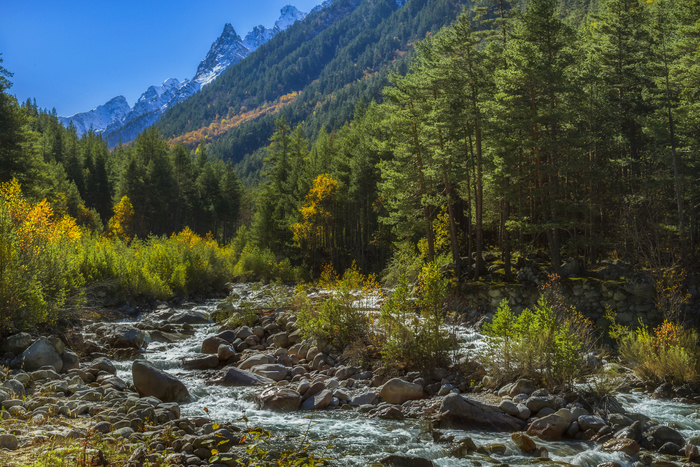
x=257, y=37
x=227, y=50
x=288, y=16
x=119, y=122
x=100, y=117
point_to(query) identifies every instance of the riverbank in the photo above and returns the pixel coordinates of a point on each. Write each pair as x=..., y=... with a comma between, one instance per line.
x=367, y=414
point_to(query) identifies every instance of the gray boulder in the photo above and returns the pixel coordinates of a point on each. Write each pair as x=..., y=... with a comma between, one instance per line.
x=71, y=361
x=17, y=343
x=319, y=401
x=123, y=336
x=466, y=414
x=549, y=428
x=398, y=391
x=104, y=364
x=211, y=344
x=271, y=370
x=663, y=434
x=279, y=400
x=201, y=363
x=8, y=441
x=40, y=353
x=152, y=381
x=232, y=376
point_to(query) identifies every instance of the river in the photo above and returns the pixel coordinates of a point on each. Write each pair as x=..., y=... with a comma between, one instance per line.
x=360, y=441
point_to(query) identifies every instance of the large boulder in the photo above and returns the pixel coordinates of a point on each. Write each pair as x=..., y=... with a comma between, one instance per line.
x=232, y=376
x=201, y=363
x=40, y=353
x=152, y=381
x=71, y=361
x=279, y=400
x=254, y=360
x=122, y=336
x=319, y=401
x=465, y=414
x=663, y=434
x=17, y=343
x=591, y=422
x=271, y=370
x=398, y=391
x=104, y=364
x=549, y=428
x=211, y=344
x=628, y=446
x=521, y=386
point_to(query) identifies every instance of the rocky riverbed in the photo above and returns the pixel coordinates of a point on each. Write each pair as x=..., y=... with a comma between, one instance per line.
x=175, y=388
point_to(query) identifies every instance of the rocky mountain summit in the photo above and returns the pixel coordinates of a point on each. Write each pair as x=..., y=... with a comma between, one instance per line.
x=117, y=121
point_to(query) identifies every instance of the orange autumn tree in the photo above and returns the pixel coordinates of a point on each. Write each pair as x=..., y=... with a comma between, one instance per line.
x=314, y=234
x=38, y=259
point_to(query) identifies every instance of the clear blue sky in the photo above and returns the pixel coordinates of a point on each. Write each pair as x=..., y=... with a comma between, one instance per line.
x=76, y=55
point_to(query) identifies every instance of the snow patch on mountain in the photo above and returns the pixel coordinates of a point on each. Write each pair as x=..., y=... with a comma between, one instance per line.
x=124, y=123
x=98, y=118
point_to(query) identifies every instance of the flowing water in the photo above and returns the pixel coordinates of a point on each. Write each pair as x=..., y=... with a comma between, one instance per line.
x=359, y=441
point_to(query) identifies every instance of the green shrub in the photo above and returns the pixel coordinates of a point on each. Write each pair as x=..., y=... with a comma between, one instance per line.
x=539, y=344
x=413, y=332
x=669, y=353
x=339, y=319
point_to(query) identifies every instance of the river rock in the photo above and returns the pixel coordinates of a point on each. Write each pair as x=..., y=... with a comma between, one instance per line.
x=398, y=391
x=201, y=363
x=122, y=336
x=224, y=352
x=8, y=442
x=319, y=401
x=549, y=428
x=17, y=343
x=509, y=407
x=152, y=381
x=537, y=403
x=314, y=389
x=279, y=400
x=211, y=344
x=103, y=364
x=12, y=386
x=628, y=446
x=232, y=376
x=40, y=353
x=396, y=460
x=590, y=422
x=663, y=434
x=254, y=360
x=362, y=399
x=281, y=339
x=521, y=386
x=619, y=419
x=227, y=335
x=460, y=413
x=523, y=441
x=271, y=370
x=244, y=332
x=71, y=361
x=190, y=317
x=691, y=452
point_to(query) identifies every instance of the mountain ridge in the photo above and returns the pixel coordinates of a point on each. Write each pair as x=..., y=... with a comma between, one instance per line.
x=120, y=122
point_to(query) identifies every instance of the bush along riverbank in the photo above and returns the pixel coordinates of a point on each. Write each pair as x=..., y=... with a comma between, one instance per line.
x=338, y=346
